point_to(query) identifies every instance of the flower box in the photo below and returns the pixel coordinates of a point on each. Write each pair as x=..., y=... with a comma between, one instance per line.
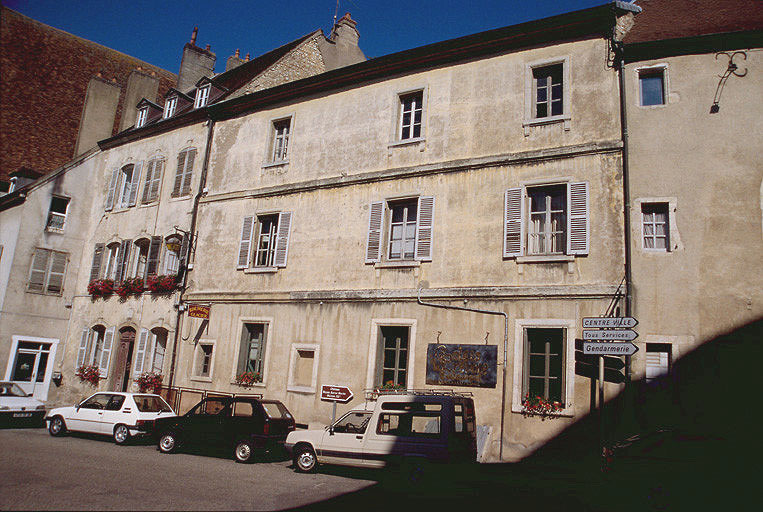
x=161, y=284
x=248, y=378
x=539, y=406
x=149, y=382
x=89, y=373
x=132, y=286
x=100, y=288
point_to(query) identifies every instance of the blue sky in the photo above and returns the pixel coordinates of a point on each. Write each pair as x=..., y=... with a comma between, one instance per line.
x=156, y=30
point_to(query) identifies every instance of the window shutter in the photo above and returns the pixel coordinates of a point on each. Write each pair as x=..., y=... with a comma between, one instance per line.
x=282, y=239
x=373, y=245
x=179, y=174
x=577, y=220
x=134, y=183
x=245, y=245
x=95, y=269
x=188, y=171
x=112, y=190
x=140, y=354
x=184, y=244
x=83, y=342
x=57, y=271
x=150, y=168
x=39, y=270
x=152, y=263
x=424, y=228
x=156, y=181
x=513, y=226
x=103, y=364
x=123, y=259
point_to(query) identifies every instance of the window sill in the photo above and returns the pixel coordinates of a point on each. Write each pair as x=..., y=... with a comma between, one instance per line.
x=546, y=258
x=149, y=204
x=406, y=142
x=180, y=198
x=275, y=164
x=567, y=412
x=59, y=231
x=306, y=390
x=201, y=379
x=564, y=118
x=398, y=264
x=255, y=385
x=261, y=270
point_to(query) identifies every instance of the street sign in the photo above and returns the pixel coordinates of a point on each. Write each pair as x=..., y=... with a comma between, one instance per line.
x=613, y=362
x=626, y=322
x=610, y=335
x=198, y=311
x=609, y=349
x=336, y=393
x=592, y=372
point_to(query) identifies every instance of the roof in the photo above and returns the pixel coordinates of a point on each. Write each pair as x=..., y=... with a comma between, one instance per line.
x=662, y=20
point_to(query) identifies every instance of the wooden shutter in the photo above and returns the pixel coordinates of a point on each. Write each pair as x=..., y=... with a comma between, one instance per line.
x=424, y=228
x=156, y=181
x=83, y=343
x=146, y=198
x=184, y=245
x=134, y=183
x=282, y=239
x=95, y=269
x=140, y=353
x=56, y=275
x=373, y=245
x=123, y=258
x=245, y=245
x=191, y=155
x=577, y=220
x=108, y=339
x=112, y=189
x=39, y=271
x=179, y=174
x=513, y=225
x=152, y=262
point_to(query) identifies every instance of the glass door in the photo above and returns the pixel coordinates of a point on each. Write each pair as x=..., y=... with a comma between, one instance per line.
x=30, y=368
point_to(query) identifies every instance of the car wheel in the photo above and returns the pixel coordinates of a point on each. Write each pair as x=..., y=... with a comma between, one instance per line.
x=168, y=442
x=304, y=459
x=121, y=434
x=57, y=427
x=244, y=452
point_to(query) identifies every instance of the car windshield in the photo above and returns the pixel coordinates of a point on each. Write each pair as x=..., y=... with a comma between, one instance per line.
x=11, y=389
x=151, y=403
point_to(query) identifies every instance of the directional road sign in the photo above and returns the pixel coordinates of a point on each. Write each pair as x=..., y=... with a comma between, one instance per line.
x=610, y=335
x=592, y=372
x=609, y=349
x=622, y=322
x=336, y=393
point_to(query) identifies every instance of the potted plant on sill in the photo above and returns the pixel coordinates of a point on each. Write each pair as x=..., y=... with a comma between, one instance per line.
x=132, y=286
x=89, y=373
x=161, y=284
x=248, y=379
x=100, y=288
x=149, y=382
x=539, y=406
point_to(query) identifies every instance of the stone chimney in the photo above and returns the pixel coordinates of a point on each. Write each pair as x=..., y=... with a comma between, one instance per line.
x=345, y=31
x=342, y=47
x=234, y=61
x=197, y=63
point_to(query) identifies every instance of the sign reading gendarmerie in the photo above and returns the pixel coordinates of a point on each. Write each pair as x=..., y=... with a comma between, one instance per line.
x=462, y=365
x=609, y=349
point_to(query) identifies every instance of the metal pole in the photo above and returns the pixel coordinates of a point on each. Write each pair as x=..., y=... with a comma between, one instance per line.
x=602, y=446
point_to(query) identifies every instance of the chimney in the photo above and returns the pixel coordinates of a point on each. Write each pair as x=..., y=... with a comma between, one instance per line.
x=234, y=61
x=197, y=63
x=345, y=31
x=341, y=49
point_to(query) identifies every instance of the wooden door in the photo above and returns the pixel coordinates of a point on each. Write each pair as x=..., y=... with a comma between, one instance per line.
x=123, y=359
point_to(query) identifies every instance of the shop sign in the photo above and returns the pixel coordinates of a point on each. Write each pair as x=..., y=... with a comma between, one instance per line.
x=462, y=365
x=199, y=311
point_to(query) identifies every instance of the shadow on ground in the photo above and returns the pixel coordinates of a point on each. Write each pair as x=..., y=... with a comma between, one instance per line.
x=687, y=442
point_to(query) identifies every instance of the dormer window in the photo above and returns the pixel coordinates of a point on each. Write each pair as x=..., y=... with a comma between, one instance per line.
x=202, y=96
x=142, y=116
x=170, y=106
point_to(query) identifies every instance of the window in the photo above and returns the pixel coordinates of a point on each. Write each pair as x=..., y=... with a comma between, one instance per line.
x=548, y=91
x=142, y=116
x=652, y=86
x=544, y=364
x=421, y=420
x=172, y=249
x=140, y=249
x=159, y=342
x=123, y=187
x=112, y=253
x=95, y=347
x=251, y=355
x=658, y=361
x=280, y=137
x=149, y=354
x=202, y=96
x=264, y=241
x=184, y=173
x=31, y=361
x=57, y=213
x=392, y=356
x=303, y=367
x=117, y=258
x=548, y=220
x=169, y=107
x=47, y=272
x=655, y=226
x=204, y=360
x=153, y=180
x=408, y=233
x=352, y=423
x=409, y=125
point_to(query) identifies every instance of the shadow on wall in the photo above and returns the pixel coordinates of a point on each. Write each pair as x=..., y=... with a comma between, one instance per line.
x=688, y=441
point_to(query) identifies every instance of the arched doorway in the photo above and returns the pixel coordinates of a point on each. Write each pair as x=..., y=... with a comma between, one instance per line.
x=123, y=359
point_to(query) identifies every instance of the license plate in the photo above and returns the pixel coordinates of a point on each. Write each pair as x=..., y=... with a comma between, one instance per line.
x=22, y=414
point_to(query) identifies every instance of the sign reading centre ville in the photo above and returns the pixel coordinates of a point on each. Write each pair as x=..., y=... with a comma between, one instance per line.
x=624, y=322
x=199, y=311
x=331, y=393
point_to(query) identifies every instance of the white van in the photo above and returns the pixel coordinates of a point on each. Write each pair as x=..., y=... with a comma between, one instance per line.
x=392, y=429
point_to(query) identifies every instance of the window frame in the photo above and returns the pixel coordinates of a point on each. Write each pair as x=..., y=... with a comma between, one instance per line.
x=281, y=157
x=268, y=322
x=661, y=207
x=183, y=179
x=141, y=117
x=652, y=69
x=153, y=179
x=202, y=96
x=379, y=232
x=568, y=369
x=293, y=355
x=374, y=343
x=51, y=213
x=673, y=238
x=397, y=119
x=246, y=256
x=124, y=186
x=197, y=361
x=530, y=118
x=170, y=106
x=48, y=272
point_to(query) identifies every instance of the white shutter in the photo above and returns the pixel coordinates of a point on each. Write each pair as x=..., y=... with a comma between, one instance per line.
x=513, y=225
x=373, y=245
x=140, y=353
x=56, y=275
x=245, y=245
x=150, y=169
x=424, y=228
x=122, y=261
x=112, y=189
x=282, y=239
x=179, y=173
x=134, y=184
x=152, y=261
x=95, y=269
x=156, y=181
x=83, y=343
x=188, y=174
x=39, y=270
x=657, y=365
x=577, y=220
x=103, y=364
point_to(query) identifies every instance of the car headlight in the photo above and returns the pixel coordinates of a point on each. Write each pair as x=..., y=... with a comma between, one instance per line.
x=40, y=407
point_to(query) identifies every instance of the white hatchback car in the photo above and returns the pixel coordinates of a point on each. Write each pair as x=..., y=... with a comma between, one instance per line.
x=19, y=408
x=120, y=415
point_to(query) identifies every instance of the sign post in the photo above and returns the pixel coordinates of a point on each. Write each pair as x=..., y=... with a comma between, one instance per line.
x=334, y=394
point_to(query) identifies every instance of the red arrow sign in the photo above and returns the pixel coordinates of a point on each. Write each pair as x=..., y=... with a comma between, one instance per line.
x=336, y=393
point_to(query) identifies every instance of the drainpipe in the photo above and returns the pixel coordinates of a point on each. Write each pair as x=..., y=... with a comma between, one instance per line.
x=505, y=348
x=191, y=240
